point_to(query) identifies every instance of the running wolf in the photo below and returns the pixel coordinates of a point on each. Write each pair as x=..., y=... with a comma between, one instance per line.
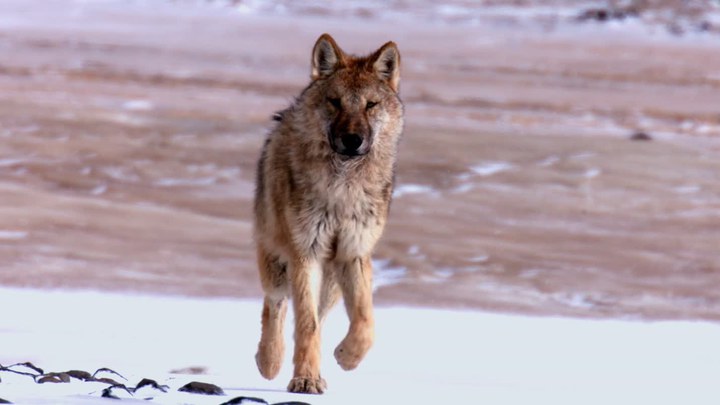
x=324, y=184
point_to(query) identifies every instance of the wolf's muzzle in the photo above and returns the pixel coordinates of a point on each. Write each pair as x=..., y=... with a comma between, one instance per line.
x=350, y=144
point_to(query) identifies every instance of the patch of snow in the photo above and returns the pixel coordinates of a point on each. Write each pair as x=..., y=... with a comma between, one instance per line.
x=125, y=119
x=138, y=105
x=406, y=189
x=384, y=275
x=699, y=213
x=549, y=161
x=463, y=188
x=592, y=173
x=415, y=252
x=689, y=189
x=530, y=273
x=444, y=274
x=253, y=7
x=575, y=300
x=687, y=125
x=452, y=10
x=203, y=181
x=490, y=168
x=583, y=155
x=12, y=161
x=485, y=358
x=707, y=129
x=99, y=190
x=479, y=258
x=13, y=235
x=120, y=173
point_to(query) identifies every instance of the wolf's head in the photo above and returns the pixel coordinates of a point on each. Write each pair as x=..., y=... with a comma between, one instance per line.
x=357, y=97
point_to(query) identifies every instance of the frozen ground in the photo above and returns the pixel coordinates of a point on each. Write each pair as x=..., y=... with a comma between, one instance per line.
x=421, y=356
x=129, y=132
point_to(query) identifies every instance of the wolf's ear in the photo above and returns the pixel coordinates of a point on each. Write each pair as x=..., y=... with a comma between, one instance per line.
x=386, y=63
x=326, y=57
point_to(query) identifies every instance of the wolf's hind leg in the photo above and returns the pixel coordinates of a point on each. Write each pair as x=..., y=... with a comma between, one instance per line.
x=271, y=348
x=355, y=279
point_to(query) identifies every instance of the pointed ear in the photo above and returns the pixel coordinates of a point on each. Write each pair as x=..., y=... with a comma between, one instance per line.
x=326, y=57
x=386, y=64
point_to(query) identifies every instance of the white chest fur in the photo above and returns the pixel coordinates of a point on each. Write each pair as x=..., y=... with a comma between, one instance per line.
x=338, y=220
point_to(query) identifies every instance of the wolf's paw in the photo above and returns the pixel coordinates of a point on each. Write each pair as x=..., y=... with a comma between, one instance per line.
x=269, y=361
x=303, y=385
x=351, y=351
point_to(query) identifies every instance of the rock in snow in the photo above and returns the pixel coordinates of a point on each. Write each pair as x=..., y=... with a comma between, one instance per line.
x=246, y=401
x=197, y=387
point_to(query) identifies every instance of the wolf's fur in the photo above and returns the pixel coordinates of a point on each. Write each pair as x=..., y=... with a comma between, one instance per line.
x=324, y=184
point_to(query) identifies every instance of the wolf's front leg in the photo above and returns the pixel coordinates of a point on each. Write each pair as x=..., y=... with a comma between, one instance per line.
x=305, y=279
x=355, y=280
x=271, y=348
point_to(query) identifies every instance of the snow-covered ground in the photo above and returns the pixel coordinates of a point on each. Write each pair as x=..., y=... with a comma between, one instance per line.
x=421, y=356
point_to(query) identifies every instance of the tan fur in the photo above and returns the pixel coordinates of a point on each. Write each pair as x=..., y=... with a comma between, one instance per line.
x=325, y=180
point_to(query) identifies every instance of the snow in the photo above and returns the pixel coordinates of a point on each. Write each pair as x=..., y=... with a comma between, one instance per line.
x=12, y=235
x=12, y=162
x=385, y=274
x=406, y=189
x=138, y=105
x=549, y=161
x=490, y=168
x=592, y=173
x=421, y=356
x=171, y=182
x=99, y=190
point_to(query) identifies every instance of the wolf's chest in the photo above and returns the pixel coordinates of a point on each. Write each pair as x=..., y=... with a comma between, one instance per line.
x=338, y=221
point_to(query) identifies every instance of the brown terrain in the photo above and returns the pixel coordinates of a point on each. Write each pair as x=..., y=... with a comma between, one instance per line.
x=129, y=133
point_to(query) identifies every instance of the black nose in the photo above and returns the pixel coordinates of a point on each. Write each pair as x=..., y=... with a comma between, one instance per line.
x=351, y=143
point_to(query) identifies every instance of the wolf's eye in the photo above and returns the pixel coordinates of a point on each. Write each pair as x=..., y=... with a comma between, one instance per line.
x=370, y=104
x=335, y=102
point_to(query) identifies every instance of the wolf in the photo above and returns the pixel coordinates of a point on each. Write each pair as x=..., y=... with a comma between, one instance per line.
x=324, y=184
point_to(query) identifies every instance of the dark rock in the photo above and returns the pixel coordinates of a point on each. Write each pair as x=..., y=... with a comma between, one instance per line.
x=80, y=375
x=675, y=29
x=196, y=387
x=21, y=369
x=147, y=389
x=145, y=382
x=4, y=401
x=29, y=365
x=607, y=14
x=245, y=400
x=110, y=392
x=291, y=403
x=107, y=370
x=595, y=14
x=106, y=380
x=640, y=136
x=107, y=393
x=54, y=378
